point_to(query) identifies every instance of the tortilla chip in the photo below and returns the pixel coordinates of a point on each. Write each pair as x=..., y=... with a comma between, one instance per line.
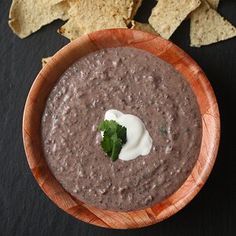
x=28, y=16
x=214, y=3
x=123, y=8
x=167, y=15
x=207, y=26
x=45, y=60
x=143, y=27
x=78, y=26
x=88, y=16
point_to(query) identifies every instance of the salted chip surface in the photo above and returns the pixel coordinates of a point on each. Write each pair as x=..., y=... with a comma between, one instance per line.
x=214, y=3
x=28, y=16
x=167, y=15
x=88, y=16
x=143, y=26
x=208, y=26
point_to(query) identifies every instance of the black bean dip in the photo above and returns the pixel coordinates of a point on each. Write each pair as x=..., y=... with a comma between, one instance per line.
x=135, y=82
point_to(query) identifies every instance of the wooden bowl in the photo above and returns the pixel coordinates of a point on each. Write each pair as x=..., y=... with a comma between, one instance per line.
x=46, y=80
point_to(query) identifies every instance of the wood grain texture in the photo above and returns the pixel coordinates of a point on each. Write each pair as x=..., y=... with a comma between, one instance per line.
x=47, y=78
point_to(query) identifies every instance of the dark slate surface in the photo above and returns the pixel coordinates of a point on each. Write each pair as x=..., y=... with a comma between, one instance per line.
x=25, y=210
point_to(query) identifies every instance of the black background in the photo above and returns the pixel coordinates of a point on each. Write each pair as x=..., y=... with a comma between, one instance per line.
x=25, y=209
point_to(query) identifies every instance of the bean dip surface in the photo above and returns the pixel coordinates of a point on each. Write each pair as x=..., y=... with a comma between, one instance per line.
x=134, y=82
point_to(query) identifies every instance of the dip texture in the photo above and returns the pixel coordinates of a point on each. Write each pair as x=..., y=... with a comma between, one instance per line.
x=134, y=82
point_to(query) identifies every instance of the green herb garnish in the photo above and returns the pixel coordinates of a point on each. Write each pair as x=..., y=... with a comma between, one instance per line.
x=114, y=137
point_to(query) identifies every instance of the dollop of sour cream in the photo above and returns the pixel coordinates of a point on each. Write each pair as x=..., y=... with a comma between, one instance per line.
x=139, y=142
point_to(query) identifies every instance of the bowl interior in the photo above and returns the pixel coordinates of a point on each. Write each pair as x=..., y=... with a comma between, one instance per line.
x=46, y=80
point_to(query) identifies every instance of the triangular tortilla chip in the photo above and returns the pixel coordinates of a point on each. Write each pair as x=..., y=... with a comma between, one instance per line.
x=207, y=26
x=143, y=26
x=88, y=16
x=167, y=15
x=28, y=16
x=214, y=3
x=123, y=8
x=80, y=25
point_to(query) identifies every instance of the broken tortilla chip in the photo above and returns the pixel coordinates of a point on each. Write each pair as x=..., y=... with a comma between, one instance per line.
x=207, y=26
x=28, y=16
x=167, y=15
x=143, y=27
x=214, y=3
x=93, y=15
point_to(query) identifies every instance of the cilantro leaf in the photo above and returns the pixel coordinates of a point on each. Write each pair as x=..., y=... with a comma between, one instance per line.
x=116, y=148
x=106, y=144
x=114, y=137
x=121, y=132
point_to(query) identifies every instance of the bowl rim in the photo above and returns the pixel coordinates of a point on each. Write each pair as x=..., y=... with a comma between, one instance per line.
x=168, y=52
